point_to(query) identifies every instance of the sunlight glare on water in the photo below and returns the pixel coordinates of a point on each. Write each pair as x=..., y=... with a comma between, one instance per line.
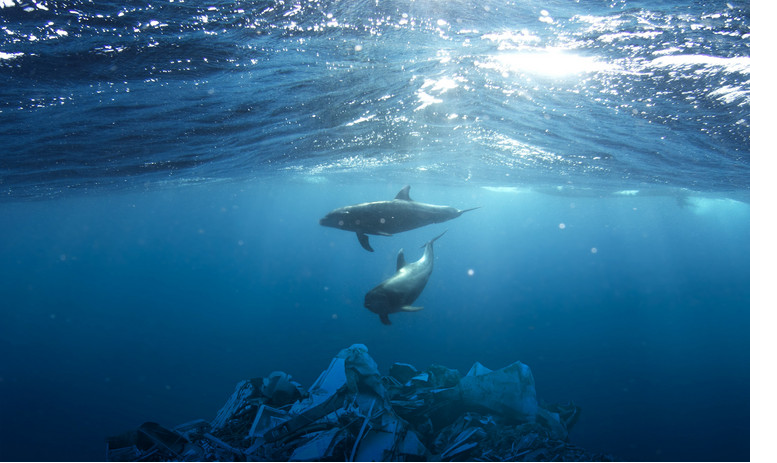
x=548, y=62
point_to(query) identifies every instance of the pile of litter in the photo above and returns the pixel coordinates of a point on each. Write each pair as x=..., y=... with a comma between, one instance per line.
x=353, y=413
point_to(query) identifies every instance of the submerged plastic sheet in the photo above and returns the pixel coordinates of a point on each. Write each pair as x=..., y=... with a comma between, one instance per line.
x=327, y=384
x=510, y=389
x=360, y=368
x=352, y=413
x=266, y=419
x=317, y=448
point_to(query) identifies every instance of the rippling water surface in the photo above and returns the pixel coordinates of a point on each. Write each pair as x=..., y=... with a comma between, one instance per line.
x=609, y=95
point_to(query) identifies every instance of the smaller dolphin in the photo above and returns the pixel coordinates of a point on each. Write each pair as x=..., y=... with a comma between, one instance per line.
x=388, y=217
x=400, y=290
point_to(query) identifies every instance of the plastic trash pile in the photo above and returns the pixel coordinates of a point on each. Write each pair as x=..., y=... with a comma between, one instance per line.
x=353, y=413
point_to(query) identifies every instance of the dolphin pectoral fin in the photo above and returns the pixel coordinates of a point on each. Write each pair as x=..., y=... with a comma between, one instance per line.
x=410, y=308
x=400, y=259
x=404, y=193
x=384, y=319
x=364, y=240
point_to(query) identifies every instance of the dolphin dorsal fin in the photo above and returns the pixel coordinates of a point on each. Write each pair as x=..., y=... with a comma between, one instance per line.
x=404, y=193
x=400, y=259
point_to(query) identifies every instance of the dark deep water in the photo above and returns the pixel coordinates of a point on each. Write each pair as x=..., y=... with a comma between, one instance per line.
x=164, y=166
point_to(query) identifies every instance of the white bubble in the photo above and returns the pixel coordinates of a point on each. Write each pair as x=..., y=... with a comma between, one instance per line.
x=470, y=272
x=594, y=250
x=562, y=226
x=382, y=220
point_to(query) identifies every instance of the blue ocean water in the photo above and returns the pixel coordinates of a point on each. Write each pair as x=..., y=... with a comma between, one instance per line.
x=164, y=164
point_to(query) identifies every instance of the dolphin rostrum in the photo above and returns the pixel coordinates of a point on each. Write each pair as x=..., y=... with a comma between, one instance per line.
x=388, y=217
x=400, y=290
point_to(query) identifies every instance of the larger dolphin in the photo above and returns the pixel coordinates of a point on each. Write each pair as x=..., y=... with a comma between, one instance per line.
x=403, y=288
x=388, y=217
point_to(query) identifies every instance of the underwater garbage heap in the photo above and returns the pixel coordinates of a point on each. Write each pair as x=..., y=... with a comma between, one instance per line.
x=353, y=413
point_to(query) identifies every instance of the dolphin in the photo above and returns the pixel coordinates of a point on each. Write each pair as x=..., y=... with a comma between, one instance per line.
x=400, y=290
x=388, y=217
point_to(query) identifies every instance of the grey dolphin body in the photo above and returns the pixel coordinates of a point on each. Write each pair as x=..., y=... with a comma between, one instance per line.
x=400, y=290
x=388, y=217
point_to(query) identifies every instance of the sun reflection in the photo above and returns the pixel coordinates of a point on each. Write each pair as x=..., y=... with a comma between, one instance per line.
x=431, y=86
x=546, y=62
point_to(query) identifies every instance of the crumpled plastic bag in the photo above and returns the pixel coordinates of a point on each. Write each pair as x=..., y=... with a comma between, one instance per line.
x=507, y=391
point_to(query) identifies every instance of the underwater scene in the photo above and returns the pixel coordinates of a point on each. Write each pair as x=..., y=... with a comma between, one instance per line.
x=375, y=230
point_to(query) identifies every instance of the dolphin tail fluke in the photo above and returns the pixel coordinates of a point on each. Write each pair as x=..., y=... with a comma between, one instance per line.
x=433, y=239
x=410, y=308
x=470, y=209
x=384, y=319
x=364, y=240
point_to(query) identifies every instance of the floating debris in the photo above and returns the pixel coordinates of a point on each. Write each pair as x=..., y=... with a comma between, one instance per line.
x=353, y=413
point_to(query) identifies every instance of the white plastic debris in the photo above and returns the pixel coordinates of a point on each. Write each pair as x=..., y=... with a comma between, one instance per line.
x=353, y=413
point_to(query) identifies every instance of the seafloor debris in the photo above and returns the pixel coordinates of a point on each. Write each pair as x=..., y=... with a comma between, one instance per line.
x=352, y=413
